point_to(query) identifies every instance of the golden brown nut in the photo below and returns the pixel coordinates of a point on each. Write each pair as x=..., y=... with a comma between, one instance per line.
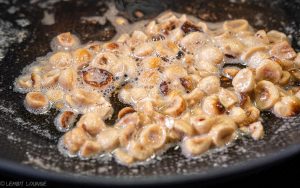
x=123, y=157
x=196, y=145
x=243, y=81
x=283, y=50
x=74, y=139
x=92, y=123
x=268, y=70
x=230, y=71
x=66, y=39
x=285, y=78
x=108, y=139
x=36, y=102
x=124, y=111
x=65, y=120
x=82, y=56
x=99, y=78
x=153, y=136
x=139, y=151
x=288, y=106
x=90, y=148
x=266, y=95
x=175, y=106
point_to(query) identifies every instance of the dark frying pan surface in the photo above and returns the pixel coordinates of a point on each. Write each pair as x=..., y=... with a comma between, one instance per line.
x=31, y=140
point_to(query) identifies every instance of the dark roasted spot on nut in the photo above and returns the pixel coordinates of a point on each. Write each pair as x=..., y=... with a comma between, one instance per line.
x=180, y=54
x=158, y=37
x=186, y=83
x=97, y=77
x=66, y=118
x=220, y=107
x=164, y=89
x=189, y=27
x=243, y=99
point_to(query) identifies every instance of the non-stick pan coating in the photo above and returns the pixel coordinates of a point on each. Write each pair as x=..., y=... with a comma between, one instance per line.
x=31, y=141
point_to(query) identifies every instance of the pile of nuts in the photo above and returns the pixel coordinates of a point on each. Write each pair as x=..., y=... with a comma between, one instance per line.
x=171, y=75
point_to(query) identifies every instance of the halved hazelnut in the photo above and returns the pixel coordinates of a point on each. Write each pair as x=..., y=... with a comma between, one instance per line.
x=266, y=95
x=97, y=77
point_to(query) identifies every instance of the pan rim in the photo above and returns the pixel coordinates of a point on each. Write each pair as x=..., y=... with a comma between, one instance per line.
x=246, y=166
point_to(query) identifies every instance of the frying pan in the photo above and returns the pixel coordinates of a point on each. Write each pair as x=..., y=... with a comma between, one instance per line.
x=29, y=142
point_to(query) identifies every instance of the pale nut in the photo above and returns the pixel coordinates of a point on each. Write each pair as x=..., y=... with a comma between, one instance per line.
x=227, y=97
x=288, y=106
x=184, y=127
x=67, y=79
x=24, y=83
x=244, y=81
x=108, y=139
x=212, y=55
x=276, y=36
x=36, y=81
x=196, y=145
x=194, y=97
x=262, y=35
x=266, y=95
x=74, y=139
x=89, y=149
x=283, y=50
x=209, y=84
x=50, y=78
x=268, y=70
x=92, y=123
x=176, y=106
x=256, y=130
x=222, y=134
x=236, y=25
x=202, y=123
x=237, y=114
x=60, y=59
x=153, y=136
x=211, y=105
